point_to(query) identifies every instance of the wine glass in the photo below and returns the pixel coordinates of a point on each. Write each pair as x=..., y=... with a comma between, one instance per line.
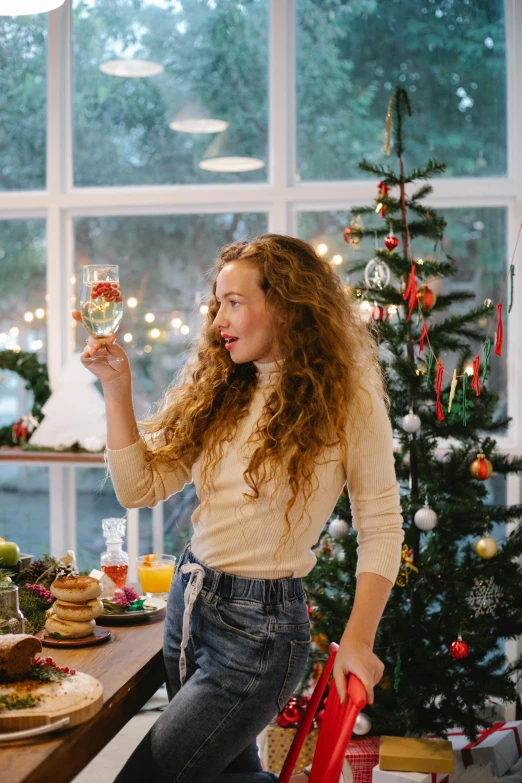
x=102, y=307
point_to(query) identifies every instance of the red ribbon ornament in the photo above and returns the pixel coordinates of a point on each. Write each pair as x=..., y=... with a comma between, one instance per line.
x=499, y=335
x=475, y=383
x=438, y=387
x=423, y=336
x=410, y=292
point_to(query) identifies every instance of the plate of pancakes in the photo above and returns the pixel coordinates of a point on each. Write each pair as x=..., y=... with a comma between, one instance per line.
x=152, y=608
x=71, y=620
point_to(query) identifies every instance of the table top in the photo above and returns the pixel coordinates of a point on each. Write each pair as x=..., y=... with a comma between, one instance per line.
x=130, y=668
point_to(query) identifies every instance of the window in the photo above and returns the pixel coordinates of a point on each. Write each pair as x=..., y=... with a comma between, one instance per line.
x=201, y=62
x=449, y=55
x=23, y=102
x=164, y=261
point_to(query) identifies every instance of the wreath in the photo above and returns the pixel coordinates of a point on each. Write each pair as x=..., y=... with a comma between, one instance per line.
x=36, y=378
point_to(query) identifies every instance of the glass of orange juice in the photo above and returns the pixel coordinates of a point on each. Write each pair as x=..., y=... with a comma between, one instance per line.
x=155, y=573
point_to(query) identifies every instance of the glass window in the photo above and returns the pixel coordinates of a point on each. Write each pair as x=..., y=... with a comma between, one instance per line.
x=449, y=55
x=161, y=87
x=23, y=102
x=95, y=500
x=163, y=263
x=24, y=507
x=22, y=307
x=475, y=238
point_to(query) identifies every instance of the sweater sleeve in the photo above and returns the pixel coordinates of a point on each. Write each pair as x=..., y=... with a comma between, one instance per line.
x=136, y=483
x=373, y=489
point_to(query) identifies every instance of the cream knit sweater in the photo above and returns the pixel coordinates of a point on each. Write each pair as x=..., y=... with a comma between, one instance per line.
x=237, y=538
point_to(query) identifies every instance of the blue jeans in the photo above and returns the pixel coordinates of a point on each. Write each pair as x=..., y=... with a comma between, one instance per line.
x=248, y=642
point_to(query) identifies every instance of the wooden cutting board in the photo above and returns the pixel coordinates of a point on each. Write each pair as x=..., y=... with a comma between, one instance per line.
x=78, y=697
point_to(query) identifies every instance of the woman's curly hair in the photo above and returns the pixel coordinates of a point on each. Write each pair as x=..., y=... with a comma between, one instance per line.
x=327, y=349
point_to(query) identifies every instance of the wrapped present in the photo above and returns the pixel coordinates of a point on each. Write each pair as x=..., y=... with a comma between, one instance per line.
x=385, y=776
x=362, y=755
x=500, y=746
x=274, y=743
x=409, y=754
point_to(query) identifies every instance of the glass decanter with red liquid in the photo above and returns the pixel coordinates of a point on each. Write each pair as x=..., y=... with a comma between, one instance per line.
x=114, y=562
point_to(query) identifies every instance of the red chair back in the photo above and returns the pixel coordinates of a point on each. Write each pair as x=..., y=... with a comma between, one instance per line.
x=336, y=728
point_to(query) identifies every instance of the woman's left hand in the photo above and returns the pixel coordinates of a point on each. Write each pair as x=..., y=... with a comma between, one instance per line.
x=357, y=657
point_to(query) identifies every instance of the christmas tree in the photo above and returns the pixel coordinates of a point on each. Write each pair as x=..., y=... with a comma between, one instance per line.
x=458, y=595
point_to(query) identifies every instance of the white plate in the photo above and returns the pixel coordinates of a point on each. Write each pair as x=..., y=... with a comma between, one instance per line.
x=152, y=607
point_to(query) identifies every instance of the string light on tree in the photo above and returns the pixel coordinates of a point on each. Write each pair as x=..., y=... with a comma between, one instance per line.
x=154, y=333
x=132, y=302
x=40, y=313
x=150, y=318
x=337, y=260
x=28, y=317
x=176, y=322
x=185, y=329
x=127, y=337
x=203, y=309
x=322, y=249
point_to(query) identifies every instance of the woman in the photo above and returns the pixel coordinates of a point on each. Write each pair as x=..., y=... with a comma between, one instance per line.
x=280, y=405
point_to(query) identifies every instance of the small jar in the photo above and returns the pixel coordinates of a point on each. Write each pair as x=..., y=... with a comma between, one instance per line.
x=11, y=618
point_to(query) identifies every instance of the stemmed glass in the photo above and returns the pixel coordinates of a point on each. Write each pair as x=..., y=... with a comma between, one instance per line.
x=102, y=307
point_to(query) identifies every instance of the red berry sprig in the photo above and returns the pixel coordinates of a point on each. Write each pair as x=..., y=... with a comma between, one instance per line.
x=48, y=670
x=46, y=596
x=110, y=291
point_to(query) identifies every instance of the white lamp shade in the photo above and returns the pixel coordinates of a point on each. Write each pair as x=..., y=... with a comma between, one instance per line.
x=219, y=156
x=196, y=118
x=231, y=165
x=26, y=7
x=133, y=69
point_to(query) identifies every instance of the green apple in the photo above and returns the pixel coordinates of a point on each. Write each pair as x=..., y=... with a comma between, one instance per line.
x=9, y=554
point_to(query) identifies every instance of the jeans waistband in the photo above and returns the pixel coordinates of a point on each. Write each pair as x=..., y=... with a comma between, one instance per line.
x=284, y=590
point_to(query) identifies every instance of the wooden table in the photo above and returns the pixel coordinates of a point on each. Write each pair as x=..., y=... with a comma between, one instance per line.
x=130, y=668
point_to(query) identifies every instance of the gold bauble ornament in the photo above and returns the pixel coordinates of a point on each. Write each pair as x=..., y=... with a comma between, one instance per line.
x=486, y=547
x=426, y=296
x=481, y=468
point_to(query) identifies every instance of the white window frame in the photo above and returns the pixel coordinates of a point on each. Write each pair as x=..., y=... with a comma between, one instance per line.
x=282, y=198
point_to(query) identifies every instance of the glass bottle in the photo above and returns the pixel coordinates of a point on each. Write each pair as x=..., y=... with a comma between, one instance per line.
x=11, y=618
x=114, y=561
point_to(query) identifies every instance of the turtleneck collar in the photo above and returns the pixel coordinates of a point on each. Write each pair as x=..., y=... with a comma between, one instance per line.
x=266, y=369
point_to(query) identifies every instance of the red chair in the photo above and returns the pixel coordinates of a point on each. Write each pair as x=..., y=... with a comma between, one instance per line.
x=336, y=728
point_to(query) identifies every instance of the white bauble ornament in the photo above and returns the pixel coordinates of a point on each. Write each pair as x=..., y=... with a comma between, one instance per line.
x=363, y=724
x=339, y=529
x=411, y=422
x=425, y=518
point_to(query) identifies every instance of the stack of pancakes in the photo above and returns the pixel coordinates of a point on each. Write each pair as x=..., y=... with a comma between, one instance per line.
x=74, y=612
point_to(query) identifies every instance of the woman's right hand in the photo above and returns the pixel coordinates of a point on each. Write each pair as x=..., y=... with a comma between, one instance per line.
x=106, y=372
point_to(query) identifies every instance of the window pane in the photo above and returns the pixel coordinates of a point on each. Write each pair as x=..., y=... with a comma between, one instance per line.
x=213, y=58
x=163, y=261
x=24, y=507
x=475, y=237
x=23, y=267
x=23, y=102
x=449, y=55
x=96, y=501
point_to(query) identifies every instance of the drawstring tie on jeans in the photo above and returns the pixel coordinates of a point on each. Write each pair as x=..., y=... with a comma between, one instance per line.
x=192, y=591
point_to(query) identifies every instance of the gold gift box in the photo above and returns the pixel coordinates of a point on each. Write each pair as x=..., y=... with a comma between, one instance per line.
x=274, y=743
x=408, y=754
